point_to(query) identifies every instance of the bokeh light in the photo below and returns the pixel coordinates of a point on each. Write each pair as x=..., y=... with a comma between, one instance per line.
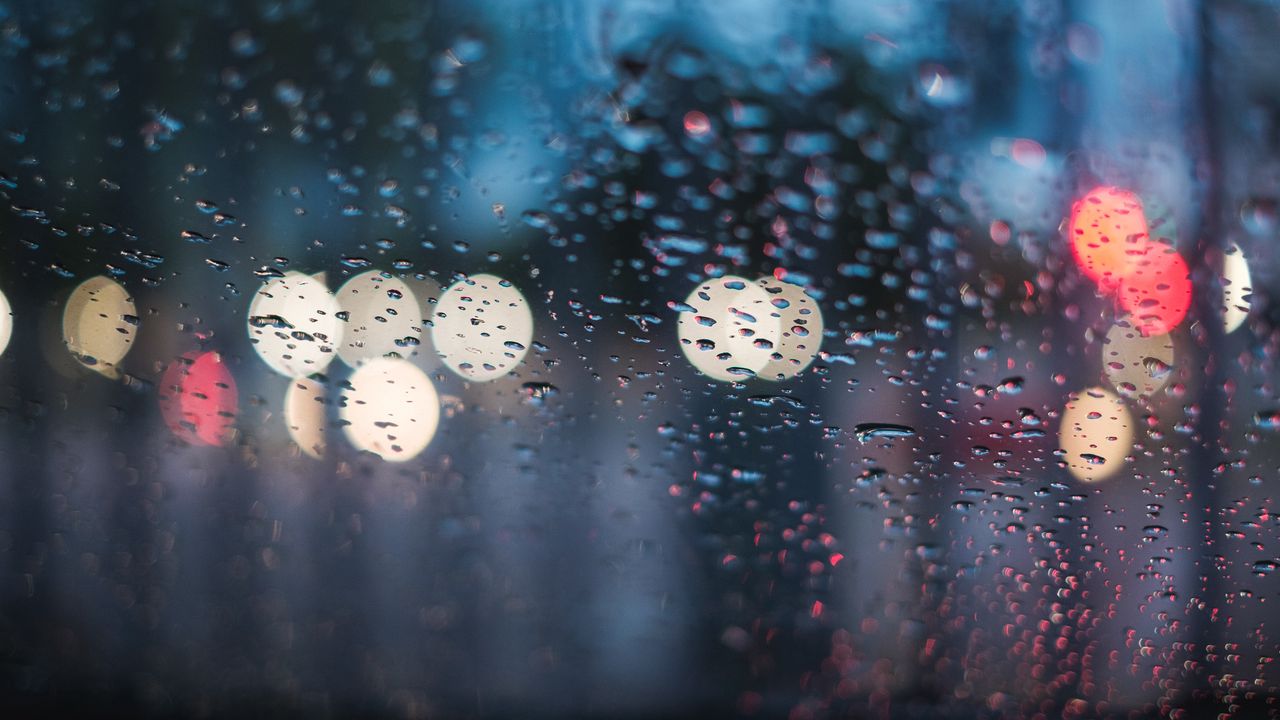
x=6, y=322
x=427, y=292
x=99, y=324
x=390, y=409
x=382, y=316
x=1237, y=288
x=800, y=329
x=1095, y=434
x=1111, y=243
x=1136, y=365
x=482, y=327
x=294, y=325
x=726, y=328
x=1107, y=227
x=304, y=415
x=198, y=399
x=1157, y=289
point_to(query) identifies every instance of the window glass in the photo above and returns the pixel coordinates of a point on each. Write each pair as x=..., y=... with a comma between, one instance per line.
x=861, y=358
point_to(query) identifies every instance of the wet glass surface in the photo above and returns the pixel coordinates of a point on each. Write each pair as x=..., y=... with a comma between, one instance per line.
x=864, y=358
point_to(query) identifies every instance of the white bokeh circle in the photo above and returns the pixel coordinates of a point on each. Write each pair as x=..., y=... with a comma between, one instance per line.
x=482, y=327
x=304, y=415
x=728, y=332
x=294, y=325
x=99, y=324
x=382, y=316
x=1137, y=365
x=6, y=323
x=1237, y=288
x=390, y=409
x=1095, y=434
x=800, y=332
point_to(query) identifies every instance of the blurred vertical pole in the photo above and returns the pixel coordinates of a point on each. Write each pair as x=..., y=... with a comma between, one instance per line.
x=1239, y=90
x=1206, y=628
x=638, y=602
x=1142, y=119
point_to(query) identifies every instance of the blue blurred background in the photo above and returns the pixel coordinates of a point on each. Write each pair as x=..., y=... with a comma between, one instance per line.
x=606, y=532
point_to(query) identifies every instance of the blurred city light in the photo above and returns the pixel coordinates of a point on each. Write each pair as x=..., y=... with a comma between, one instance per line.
x=482, y=327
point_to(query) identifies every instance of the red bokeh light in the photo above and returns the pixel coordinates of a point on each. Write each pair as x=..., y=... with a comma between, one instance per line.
x=696, y=123
x=1110, y=242
x=198, y=399
x=1157, y=291
x=1028, y=153
x=1108, y=228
